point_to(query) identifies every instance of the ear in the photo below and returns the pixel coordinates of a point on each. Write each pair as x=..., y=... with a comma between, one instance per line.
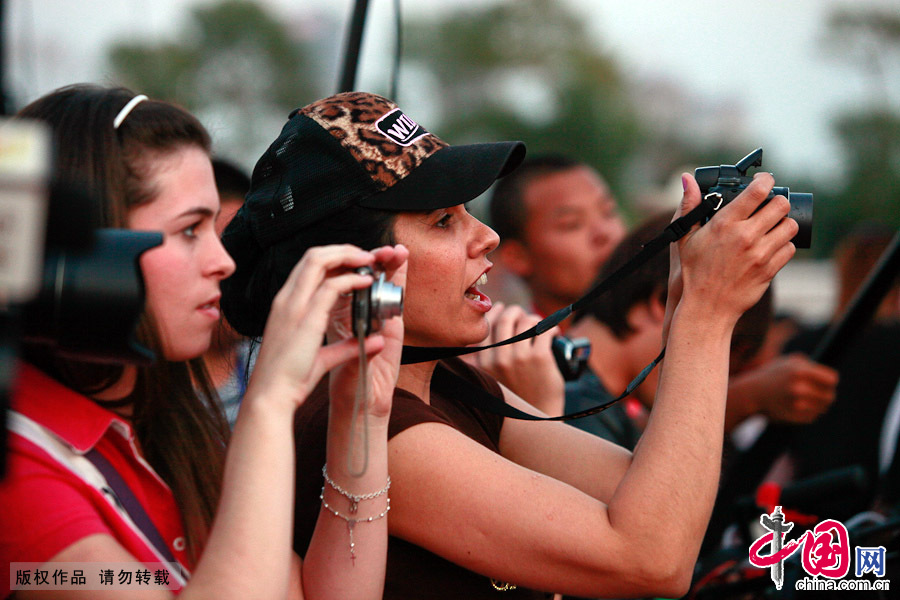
x=515, y=257
x=647, y=314
x=657, y=308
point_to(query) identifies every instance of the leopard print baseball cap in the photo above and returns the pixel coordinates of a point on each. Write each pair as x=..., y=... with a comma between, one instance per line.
x=357, y=148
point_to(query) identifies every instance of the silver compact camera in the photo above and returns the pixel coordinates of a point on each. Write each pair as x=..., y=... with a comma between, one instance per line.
x=375, y=304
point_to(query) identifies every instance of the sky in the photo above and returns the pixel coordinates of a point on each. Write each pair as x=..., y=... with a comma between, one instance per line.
x=770, y=57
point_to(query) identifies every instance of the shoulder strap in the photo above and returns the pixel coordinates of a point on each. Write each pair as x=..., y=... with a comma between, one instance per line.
x=130, y=503
x=96, y=471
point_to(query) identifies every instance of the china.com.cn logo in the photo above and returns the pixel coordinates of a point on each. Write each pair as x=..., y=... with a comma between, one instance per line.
x=825, y=552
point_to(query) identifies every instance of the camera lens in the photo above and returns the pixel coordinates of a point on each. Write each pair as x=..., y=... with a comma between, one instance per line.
x=386, y=299
x=374, y=305
x=802, y=212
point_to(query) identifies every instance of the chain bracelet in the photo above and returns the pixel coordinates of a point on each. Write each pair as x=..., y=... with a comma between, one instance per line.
x=354, y=499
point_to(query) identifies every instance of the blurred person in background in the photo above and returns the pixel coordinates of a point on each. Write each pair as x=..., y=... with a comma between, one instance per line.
x=849, y=433
x=558, y=222
x=228, y=357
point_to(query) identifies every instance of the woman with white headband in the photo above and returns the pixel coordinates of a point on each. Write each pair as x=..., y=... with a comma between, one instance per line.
x=124, y=467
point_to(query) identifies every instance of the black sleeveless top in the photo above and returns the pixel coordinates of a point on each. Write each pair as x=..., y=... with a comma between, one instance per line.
x=412, y=571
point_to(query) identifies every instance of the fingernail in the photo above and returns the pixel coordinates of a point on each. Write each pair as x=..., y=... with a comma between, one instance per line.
x=684, y=182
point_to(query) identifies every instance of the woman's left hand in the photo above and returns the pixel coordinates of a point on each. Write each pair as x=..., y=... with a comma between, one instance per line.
x=292, y=358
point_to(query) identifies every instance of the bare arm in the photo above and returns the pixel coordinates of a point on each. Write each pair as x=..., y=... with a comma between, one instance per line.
x=564, y=511
x=251, y=534
x=329, y=568
x=256, y=508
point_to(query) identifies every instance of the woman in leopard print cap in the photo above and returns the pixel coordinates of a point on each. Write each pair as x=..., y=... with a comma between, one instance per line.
x=483, y=505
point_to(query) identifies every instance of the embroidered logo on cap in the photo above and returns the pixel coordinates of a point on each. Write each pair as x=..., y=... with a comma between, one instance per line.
x=400, y=128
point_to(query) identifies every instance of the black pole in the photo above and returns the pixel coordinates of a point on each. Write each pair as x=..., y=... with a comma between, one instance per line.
x=865, y=302
x=347, y=80
x=751, y=466
x=5, y=108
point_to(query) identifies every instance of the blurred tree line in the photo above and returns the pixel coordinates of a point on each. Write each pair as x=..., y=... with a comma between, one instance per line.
x=870, y=135
x=235, y=65
x=521, y=69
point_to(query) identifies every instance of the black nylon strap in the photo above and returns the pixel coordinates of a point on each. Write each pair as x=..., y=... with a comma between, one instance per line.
x=473, y=395
x=675, y=231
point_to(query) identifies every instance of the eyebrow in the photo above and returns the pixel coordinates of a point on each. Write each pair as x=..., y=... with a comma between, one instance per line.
x=565, y=210
x=197, y=210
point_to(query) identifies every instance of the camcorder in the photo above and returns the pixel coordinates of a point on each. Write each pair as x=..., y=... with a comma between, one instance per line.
x=723, y=183
x=64, y=284
x=373, y=305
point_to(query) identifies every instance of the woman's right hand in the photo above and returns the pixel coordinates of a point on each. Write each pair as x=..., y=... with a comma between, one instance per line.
x=527, y=367
x=727, y=264
x=292, y=358
x=383, y=367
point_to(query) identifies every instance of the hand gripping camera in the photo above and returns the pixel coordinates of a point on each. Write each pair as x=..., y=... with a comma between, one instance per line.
x=375, y=304
x=725, y=182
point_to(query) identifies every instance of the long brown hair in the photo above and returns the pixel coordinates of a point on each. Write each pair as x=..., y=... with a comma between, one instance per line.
x=175, y=412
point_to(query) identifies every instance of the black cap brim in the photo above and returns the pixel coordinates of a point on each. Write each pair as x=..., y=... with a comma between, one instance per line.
x=453, y=175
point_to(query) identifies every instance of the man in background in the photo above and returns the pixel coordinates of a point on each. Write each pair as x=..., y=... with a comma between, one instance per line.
x=558, y=222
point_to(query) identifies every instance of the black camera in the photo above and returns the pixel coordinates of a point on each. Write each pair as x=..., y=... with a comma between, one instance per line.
x=571, y=355
x=725, y=182
x=90, y=301
x=376, y=303
x=65, y=285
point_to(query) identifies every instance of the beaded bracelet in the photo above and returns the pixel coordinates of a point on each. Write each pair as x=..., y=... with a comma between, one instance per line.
x=354, y=504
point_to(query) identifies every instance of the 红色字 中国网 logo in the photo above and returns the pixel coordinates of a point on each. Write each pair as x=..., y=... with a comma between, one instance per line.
x=825, y=552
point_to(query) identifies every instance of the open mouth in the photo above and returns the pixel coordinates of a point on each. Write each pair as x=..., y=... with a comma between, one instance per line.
x=473, y=293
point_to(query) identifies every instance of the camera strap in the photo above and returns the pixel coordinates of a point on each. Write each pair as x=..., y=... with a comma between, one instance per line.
x=468, y=392
x=676, y=230
x=478, y=397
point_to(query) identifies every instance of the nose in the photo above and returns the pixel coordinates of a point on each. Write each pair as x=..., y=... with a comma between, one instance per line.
x=219, y=263
x=606, y=230
x=599, y=231
x=484, y=239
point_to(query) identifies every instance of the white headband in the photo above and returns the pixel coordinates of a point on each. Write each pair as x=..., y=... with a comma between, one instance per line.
x=127, y=109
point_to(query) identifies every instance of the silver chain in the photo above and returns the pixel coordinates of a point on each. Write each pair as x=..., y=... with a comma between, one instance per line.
x=354, y=499
x=351, y=521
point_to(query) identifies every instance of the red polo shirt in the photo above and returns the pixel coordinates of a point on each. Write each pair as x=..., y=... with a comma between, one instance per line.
x=45, y=507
